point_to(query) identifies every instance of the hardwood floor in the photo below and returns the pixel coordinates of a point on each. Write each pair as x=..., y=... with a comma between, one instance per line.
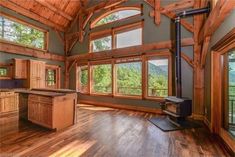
x=106, y=132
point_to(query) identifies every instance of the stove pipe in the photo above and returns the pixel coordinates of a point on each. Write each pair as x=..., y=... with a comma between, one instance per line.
x=178, y=44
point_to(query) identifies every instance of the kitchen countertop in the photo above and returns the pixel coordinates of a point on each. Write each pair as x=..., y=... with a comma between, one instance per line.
x=43, y=92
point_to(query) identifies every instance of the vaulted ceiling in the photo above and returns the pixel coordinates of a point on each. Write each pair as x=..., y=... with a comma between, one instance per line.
x=55, y=13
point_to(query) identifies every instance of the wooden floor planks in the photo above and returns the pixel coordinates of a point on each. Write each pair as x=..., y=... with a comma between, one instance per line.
x=106, y=132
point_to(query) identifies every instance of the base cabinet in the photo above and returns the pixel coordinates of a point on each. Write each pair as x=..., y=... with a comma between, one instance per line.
x=8, y=102
x=51, y=112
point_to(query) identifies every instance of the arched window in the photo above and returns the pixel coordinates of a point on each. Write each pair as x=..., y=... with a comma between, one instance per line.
x=115, y=15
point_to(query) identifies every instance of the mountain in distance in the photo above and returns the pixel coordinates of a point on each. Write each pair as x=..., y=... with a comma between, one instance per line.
x=153, y=69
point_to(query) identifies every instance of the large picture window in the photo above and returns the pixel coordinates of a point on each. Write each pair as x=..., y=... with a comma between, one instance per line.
x=101, y=79
x=19, y=32
x=115, y=15
x=157, y=77
x=137, y=77
x=129, y=78
x=120, y=37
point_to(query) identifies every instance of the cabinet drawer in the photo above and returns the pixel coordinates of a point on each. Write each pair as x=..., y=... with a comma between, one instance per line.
x=6, y=94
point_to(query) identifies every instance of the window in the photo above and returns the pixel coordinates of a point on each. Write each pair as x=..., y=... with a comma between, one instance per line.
x=120, y=37
x=52, y=76
x=229, y=92
x=102, y=44
x=83, y=79
x=3, y=71
x=101, y=79
x=129, y=78
x=19, y=32
x=115, y=15
x=147, y=76
x=157, y=77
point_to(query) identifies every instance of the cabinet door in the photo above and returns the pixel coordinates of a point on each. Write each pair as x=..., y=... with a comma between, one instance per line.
x=20, y=69
x=45, y=114
x=36, y=74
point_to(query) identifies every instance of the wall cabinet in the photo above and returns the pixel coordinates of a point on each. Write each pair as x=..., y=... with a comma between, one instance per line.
x=36, y=74
x=19, y=68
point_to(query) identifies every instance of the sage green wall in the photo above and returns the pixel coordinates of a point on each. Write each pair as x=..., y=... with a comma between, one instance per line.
x=151, y=34
x=224, y=28
x=54, y=46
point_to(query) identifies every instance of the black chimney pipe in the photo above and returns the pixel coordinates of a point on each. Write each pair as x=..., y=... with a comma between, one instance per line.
x=178, y=44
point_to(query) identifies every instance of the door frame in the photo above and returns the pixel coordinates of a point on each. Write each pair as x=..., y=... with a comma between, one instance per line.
x=218, y=50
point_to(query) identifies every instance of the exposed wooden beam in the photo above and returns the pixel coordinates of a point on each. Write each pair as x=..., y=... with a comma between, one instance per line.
x=88, y=17
x=183, y=4
x=157, y=14
x=54, y=9
x=216, y=17
x=26, y=51
x=130, y=51
x=12, y=6
x=205, y=49
x=187, y=59
x=103, y=5
x=172, y=15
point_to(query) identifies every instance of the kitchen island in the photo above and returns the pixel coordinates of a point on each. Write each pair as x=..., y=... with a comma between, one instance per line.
x=53, y=109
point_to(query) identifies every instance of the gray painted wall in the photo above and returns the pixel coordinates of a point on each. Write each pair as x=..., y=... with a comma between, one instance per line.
x=224, y=28
x=54, y=46
x=151, y=33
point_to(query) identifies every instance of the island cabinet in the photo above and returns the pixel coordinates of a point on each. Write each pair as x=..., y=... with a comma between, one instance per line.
x=53, y=111
x=8, y=107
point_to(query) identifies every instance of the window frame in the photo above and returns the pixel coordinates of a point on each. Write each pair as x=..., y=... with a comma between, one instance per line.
x=122, y=61
x=107, y=13
x=94, y=63
x=78, y=71
x=113, y=32
x=156, y=56
x=15, y=19
x=9, y=71
x=57, y=76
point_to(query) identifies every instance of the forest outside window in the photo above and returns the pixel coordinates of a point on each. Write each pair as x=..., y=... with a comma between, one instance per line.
x=129, y=78
x=83, y=79
x=19, y=32
x=157, y=77
x=116, y=15
x=120, y=37
x=101, y=79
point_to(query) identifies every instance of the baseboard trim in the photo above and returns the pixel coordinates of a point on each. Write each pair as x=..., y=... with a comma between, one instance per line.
x=198, y=117
x=123, y=106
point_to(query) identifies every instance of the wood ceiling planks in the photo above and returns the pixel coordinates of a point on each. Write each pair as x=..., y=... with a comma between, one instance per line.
x=55, y=13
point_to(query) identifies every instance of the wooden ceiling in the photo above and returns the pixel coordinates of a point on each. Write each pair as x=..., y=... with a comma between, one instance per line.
x=55, y=13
